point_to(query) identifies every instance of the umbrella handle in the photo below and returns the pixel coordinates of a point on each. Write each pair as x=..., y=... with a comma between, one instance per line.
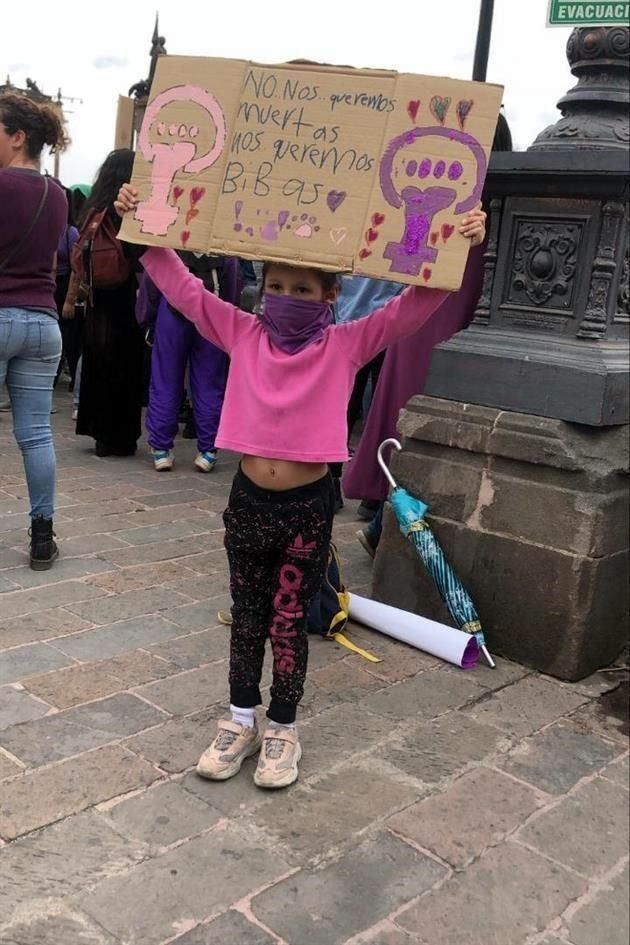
x=390, y=442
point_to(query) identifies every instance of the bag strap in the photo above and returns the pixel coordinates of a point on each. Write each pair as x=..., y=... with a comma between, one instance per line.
x=22, y=243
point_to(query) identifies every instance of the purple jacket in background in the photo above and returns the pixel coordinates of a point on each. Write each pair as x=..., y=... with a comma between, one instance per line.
x=148, y=299
x=64, y=250
x=147, y=302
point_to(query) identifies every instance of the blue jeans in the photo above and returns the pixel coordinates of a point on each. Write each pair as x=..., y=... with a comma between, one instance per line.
x=30, y=349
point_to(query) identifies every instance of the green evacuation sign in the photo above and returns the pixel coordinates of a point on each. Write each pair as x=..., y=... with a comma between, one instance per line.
x=588, y=13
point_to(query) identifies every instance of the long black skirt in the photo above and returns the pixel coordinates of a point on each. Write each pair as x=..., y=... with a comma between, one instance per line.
x=111, y=395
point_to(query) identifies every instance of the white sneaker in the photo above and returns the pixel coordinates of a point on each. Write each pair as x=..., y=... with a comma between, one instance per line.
x=279, y=756
x=75, y=413
x=163, y=460
x=206, y=461
x=232, y=745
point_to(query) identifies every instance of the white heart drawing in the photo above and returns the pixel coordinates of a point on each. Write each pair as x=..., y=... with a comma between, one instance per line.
x=338, y=234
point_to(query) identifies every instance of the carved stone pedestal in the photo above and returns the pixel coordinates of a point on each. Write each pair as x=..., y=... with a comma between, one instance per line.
x=533, y=514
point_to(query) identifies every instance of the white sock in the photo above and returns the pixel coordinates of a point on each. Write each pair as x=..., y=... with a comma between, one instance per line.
x=288, y=725
x=246, y=717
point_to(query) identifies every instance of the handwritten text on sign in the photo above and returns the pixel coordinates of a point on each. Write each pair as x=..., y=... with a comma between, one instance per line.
x=348, y=170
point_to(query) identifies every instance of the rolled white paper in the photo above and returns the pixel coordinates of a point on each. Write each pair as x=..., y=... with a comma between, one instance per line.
x=447, y=643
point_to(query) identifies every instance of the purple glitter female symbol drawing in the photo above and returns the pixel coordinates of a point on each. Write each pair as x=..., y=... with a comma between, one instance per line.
x=421, y=205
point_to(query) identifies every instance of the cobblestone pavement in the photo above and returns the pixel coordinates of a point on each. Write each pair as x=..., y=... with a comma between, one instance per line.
x=434, y=807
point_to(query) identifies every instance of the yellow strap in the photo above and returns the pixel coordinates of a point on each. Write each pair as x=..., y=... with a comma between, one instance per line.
x=473, y=626
x=349, y=645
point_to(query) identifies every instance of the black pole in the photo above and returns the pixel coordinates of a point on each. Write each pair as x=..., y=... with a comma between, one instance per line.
x=482, y=48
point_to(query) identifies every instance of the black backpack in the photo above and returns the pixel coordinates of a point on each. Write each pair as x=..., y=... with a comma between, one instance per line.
x=328, y=613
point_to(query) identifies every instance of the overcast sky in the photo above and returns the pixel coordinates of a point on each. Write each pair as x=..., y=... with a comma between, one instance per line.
x=99, y=54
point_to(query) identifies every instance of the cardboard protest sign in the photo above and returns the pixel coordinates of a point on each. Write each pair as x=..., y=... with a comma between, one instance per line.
x=348, y=170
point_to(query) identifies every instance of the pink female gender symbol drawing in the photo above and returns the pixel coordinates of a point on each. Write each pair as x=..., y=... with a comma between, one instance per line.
x=422, y=203
x=156, y=214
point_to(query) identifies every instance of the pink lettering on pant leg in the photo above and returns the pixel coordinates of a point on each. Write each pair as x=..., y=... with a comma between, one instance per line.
x=287, y=609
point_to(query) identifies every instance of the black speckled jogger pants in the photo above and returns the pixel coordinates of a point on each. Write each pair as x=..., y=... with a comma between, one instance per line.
x=277, y=545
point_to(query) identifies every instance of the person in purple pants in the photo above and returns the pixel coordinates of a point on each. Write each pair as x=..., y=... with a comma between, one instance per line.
x=177, y=345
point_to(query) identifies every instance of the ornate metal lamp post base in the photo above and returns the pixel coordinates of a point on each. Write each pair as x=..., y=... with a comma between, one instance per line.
x=530, y=488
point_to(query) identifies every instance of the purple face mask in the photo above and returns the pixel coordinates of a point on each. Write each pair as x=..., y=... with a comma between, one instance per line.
x=292, y=324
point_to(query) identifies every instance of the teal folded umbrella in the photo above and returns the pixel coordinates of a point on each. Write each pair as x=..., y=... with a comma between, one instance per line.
x=410, y=512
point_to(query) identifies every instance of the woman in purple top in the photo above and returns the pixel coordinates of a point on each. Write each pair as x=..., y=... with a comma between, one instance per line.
x=34, y=214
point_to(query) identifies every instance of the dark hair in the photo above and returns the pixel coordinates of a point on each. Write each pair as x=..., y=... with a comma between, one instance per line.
x=112, y=174
x=327, y=280
x=502, y=135
x=41, y=123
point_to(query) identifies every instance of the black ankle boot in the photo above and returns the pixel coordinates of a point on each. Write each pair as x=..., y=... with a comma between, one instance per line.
x=43, y=545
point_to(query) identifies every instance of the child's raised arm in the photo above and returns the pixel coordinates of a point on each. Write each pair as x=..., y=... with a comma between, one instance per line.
x=406, y=313
x=401, y=316
x=218, y=321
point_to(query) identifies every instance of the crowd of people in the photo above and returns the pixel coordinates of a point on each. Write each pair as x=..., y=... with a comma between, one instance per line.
x=284, y=385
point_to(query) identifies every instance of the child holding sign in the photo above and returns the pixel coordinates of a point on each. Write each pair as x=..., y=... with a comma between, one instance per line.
x=292, y=372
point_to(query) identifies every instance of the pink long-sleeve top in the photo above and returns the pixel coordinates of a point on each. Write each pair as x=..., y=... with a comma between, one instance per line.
x=278, y=405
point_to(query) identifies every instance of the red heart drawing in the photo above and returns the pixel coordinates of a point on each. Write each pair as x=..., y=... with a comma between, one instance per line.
x=434, y=238
x=191, y=216
x=177, y=192
x=377, y=219
x=447, y=231
x=196, y=194
x=371, y=235
x=365, y=253
x=412, y=108
x=426, y=274
x=184, y=236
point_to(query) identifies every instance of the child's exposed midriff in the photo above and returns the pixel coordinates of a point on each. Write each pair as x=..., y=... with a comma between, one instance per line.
x=280, y=474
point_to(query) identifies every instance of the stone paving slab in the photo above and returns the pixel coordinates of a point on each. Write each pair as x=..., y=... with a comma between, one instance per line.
x=181, y=887
x=116, y=638
x=173, y=746
x=485, y=805
x=23, y=661
x=189, y=691
x=345, y=802
x=327, y=906
x=587, y=831
x=527, y=705
x=557, y=758
x=605, y=919
x=40, y=626
x=65, y=927
x=232, y=927
x=46, y=795
x=500, y=900
x=77, y=684
x=17, y=706
x=162, y=816
x=431, y=752
x=60, y=861
x=480, y=808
